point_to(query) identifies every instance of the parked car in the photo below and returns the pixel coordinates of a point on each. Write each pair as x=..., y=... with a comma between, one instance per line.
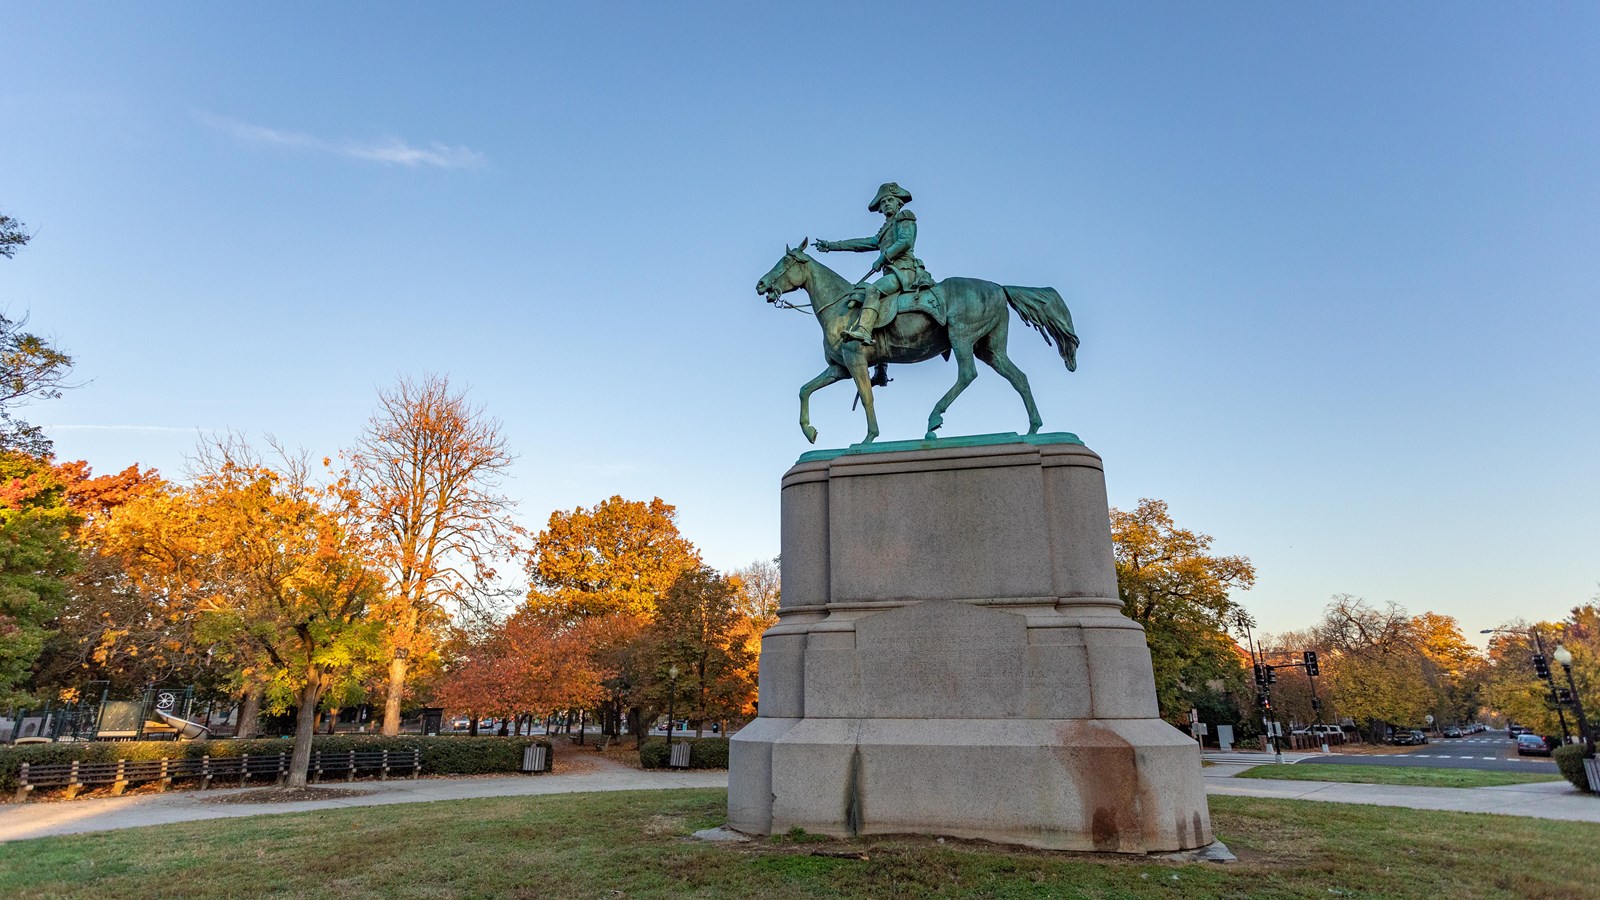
x=1452, y=732
x=1529, y=744
x=1408, y=738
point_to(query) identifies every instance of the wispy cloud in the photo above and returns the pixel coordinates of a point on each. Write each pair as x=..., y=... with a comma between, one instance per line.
x=392, y=150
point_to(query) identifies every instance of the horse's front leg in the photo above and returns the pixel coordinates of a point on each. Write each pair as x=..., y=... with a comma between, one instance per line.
x=832, y=373
x=860, y=372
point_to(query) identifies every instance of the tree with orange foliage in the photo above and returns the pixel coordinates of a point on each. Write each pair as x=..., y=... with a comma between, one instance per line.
x=110, y=630
x=428, y=470
x=528, y=664
x=610, y=566
x=619, y=557
x=261, y=560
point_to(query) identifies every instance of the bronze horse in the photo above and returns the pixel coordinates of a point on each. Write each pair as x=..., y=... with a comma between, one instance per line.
x=977, y=322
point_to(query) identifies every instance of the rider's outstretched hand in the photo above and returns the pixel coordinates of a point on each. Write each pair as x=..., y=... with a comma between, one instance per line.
x=822, y=245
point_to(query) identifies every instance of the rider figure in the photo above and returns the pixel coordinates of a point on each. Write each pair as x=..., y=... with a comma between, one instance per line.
x=894, y=242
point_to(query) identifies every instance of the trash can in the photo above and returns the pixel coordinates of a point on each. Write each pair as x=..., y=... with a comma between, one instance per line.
x=536, y=758
x=680, y=756
x=432, y=719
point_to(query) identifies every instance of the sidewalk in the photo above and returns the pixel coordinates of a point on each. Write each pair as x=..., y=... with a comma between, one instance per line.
x=1542, y=800
x=30, y=820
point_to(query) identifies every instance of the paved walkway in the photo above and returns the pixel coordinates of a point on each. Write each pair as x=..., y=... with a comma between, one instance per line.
x=1542, y=800
x=1546, y=800
x=39, y=819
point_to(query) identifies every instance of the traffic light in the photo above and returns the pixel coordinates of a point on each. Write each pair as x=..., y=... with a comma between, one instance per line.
x=1311, y=663
x=1261, y=678
x=1263, y=702
x=1316, y=703
x=1563, y=695
x=1540, y=667
x=1272, y=674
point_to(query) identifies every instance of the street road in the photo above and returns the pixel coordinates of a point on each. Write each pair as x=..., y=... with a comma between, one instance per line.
x=1492, y=750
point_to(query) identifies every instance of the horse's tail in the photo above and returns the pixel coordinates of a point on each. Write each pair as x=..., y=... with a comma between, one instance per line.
x=1044, y=309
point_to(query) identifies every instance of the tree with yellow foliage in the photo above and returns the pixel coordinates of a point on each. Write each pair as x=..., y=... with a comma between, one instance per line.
x=1182, y=594
x=264, y=561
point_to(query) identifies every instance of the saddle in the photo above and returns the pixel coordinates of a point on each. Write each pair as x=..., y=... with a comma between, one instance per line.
x=928, y=300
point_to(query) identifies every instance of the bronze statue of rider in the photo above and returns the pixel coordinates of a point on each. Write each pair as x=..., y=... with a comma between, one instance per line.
x=902, y=271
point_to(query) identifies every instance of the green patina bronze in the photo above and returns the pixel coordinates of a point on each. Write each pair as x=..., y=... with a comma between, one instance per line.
x=906, y=317
x=971, y=440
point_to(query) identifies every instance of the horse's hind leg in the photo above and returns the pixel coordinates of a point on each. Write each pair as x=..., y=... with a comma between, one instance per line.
x=993, y=351
x=966, y=370
x=832, y=373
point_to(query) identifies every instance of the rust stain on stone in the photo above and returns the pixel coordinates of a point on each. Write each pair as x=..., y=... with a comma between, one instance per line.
x=1108, y=785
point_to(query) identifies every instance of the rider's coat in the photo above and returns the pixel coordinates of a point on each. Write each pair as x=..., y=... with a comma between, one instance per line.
x=895, y=241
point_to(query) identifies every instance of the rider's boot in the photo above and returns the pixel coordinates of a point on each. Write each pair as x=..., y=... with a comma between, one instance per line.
x=862, y=331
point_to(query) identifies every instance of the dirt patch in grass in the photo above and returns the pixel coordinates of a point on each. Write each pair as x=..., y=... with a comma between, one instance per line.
x=282, y=795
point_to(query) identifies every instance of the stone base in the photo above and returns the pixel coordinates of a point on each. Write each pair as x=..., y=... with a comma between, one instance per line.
x=1127, y=786
x=951, y=658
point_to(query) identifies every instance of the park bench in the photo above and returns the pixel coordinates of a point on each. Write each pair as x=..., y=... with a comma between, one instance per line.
x=352, y=761
x=119, y=774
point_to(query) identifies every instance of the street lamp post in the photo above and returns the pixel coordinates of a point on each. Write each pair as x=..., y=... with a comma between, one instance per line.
x=1564, y=657
x=672, y=676
x=1548, y=676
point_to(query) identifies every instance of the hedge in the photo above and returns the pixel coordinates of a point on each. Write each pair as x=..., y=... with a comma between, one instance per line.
x=704, y=753
x=1569, y=758
x=440, y=756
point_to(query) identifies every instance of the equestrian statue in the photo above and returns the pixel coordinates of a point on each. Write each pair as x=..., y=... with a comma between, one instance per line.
x=907, y=317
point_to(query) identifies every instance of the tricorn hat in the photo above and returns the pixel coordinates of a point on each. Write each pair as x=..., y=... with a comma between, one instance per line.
x=889, y=189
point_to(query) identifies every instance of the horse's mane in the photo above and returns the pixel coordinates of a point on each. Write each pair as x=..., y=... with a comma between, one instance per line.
x=839, y=286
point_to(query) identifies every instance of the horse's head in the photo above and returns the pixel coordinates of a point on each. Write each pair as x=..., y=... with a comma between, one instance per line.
x=787, y=275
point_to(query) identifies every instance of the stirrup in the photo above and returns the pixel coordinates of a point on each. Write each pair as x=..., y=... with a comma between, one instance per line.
x=857, y=335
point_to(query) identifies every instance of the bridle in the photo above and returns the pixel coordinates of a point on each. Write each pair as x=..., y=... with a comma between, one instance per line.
x=797, y=257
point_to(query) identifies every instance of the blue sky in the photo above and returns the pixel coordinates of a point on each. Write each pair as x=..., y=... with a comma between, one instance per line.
x=1334, y=268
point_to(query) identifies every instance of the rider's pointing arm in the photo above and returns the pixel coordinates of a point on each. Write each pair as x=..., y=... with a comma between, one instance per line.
x=859, y=245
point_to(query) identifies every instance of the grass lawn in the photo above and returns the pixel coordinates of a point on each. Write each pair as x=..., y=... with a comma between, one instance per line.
x=636, y=845
x=1407, y=775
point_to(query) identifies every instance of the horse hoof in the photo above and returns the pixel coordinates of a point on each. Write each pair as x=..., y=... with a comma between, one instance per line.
x=1035, y=428
x=930, y=436
x=810, y=433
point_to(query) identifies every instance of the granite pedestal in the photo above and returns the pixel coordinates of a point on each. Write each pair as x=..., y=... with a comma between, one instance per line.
x=951, y=658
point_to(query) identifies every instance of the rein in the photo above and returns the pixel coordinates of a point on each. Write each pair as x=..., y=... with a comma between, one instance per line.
x=815, y=310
